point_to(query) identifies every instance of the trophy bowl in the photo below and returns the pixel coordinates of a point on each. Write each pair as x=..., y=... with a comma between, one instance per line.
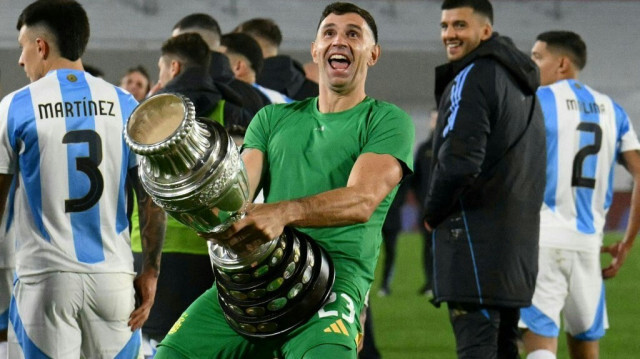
x=192, y=168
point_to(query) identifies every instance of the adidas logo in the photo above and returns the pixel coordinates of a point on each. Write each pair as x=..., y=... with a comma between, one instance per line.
x=337, y=327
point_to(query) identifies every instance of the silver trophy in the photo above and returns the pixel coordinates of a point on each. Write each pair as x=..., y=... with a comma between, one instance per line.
x=192, y=168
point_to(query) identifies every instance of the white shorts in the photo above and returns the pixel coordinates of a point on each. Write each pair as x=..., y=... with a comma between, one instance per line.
x=569, y=282
x=73, y=315
x=6, y=286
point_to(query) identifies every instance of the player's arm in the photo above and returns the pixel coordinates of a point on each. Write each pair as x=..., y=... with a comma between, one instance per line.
x=5, y=185
x=254, y=164
x=620, y=249
x=152, y=229
x=372, y=178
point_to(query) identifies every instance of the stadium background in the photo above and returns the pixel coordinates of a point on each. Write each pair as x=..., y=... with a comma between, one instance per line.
x=125, y=33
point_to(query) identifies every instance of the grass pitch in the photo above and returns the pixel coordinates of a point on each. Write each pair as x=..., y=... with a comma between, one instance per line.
x=407, y=326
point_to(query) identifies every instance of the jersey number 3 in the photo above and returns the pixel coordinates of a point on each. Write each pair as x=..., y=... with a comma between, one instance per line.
x=577, y=178
x=88, y=165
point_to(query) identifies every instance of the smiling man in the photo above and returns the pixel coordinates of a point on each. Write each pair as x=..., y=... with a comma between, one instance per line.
x=330, y=166
x=487, y=181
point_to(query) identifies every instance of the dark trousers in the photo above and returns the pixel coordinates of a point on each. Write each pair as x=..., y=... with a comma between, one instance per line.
x=484, y=332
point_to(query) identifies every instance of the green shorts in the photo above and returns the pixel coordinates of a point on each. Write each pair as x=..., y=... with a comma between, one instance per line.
x=202, y=332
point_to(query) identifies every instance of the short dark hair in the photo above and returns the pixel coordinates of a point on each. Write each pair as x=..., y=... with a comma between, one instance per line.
x=190, y=48
x=341, y=8
x=200, y=21
x=242, y=44
x=482, y=7
x=568, y=42
x=263, y=28
x=66, y=20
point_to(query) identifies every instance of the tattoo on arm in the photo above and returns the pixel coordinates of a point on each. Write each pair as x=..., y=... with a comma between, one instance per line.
x=152, y=224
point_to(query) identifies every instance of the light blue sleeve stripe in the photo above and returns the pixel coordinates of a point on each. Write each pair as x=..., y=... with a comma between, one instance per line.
x=584, y=196
x=622, y=121
x=456, y=96
x=127, y=105
x=622, y=127
x=23, y=128
x=550, y=111
x=85, y=225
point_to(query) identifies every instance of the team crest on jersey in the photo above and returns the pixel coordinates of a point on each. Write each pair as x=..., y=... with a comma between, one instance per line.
x=72, y=77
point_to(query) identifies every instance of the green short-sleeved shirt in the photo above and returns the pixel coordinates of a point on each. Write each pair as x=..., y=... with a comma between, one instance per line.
x=308, y=152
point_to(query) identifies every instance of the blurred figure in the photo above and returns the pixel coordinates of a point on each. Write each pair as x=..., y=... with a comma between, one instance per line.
x=246, y=61
x=417, y=183
x=232, y=89
x=280, y=72
x=137, y=81
x=390, y=231
x=63, y=167
x=587, y=133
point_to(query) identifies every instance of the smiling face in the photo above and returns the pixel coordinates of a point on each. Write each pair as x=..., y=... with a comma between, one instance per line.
x=344, y=49
x=136, y=83
x=462, y=30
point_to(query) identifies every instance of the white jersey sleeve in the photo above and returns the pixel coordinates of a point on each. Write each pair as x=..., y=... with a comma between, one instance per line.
x=586, y=132
x=64, y=134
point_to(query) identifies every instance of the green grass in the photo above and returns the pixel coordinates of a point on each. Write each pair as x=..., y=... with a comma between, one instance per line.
x=407, y=326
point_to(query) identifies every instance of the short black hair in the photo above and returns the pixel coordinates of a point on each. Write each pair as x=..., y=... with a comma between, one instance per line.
x=200, y=21
x=94, y=71
x=263, y=28
x=482, y=7
x=66, y=20
x=190, y=48
x=568, y=42
x=341, y=8
x=242, y=44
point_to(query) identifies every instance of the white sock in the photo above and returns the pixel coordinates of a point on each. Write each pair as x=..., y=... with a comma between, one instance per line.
x=541, y=354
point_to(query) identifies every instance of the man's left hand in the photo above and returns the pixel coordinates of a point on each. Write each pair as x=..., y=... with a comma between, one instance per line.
x=145, y=286
x=619, y=252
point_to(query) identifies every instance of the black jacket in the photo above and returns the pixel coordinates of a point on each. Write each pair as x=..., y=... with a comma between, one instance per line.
x=195, y=83
x=488, y=177
x=232, y=89
x=285, y=75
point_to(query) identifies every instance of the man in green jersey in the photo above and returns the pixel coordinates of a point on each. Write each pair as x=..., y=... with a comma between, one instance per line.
x=329, y=166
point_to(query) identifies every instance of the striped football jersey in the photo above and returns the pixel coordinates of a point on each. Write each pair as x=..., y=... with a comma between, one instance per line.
x=586, y=133
x=62, y=139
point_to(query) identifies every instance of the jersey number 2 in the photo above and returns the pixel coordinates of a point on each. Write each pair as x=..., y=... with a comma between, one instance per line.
x=88, y=165
x=577, y=179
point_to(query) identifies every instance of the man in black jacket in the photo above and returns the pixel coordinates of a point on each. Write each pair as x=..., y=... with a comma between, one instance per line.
x=279, y=72
x=487, y=181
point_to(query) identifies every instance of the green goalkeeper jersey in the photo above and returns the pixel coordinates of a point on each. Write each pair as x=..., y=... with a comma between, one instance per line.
x=308, y=152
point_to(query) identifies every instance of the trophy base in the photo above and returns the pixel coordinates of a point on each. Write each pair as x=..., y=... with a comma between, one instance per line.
x=278, y=295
